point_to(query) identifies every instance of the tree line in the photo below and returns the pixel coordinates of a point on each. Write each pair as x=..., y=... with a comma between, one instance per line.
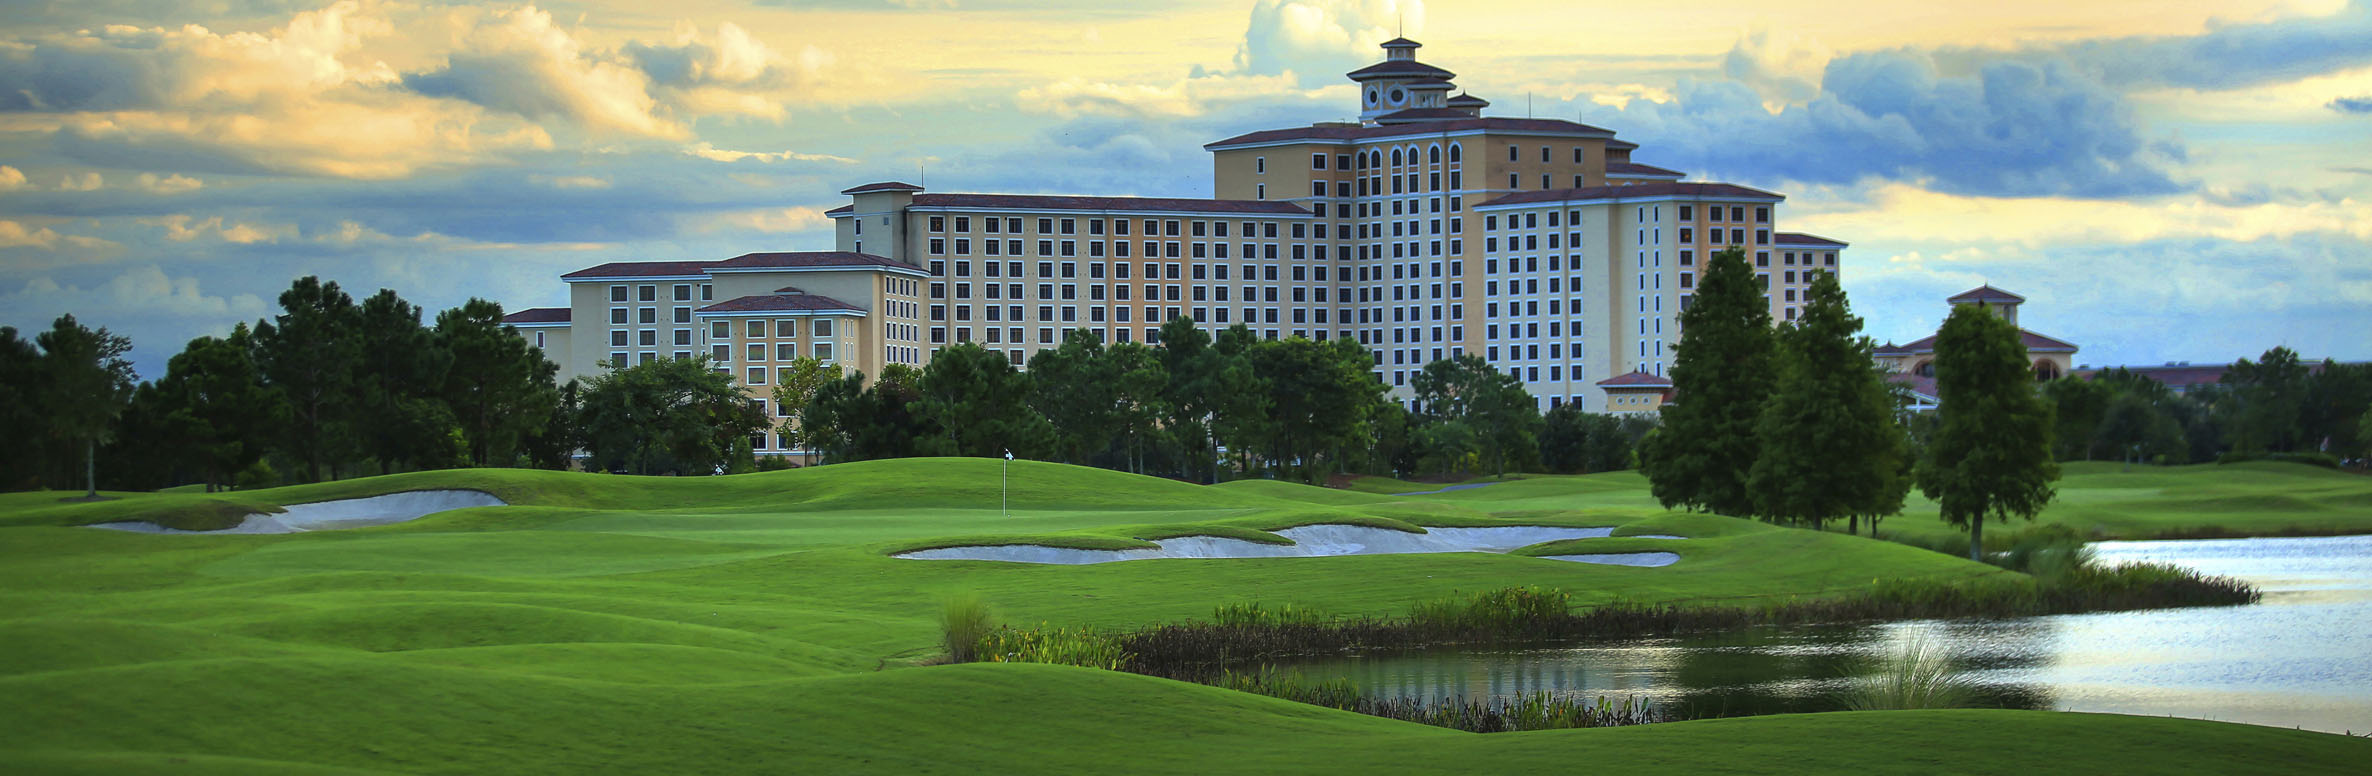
x=2276, y=406
x=1199, y=407
x=327, y=388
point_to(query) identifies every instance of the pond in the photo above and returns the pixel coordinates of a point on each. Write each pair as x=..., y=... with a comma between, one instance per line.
x=2297, y=659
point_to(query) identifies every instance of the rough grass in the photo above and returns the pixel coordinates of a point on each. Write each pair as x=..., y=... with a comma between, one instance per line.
x=759, y=618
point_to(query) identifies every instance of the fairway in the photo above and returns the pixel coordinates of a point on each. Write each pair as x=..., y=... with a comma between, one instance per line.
x=759, y=623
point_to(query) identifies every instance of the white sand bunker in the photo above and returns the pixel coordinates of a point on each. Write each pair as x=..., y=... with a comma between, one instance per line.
x=1309, y=541
x=1622, y=558
x=343, y=513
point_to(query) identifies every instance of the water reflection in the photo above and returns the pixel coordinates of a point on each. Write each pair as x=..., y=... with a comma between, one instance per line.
x=2295, y=660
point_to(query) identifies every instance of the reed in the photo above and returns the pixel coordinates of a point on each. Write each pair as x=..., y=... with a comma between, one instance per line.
x=1082, y=647
x=1533, y=711
x=963, y=623
x=1920, y=675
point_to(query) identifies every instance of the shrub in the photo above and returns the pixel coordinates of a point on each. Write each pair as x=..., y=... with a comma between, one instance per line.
x=1249, y=615
x=963, y=624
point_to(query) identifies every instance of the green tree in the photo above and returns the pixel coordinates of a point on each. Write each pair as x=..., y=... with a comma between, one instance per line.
x=979, y=404
x=1241, y=404
x=21, y=420
x=852, y=419
x=2134, y=428
x=1071, y=386
x=311, y=355
x=1831, y=447
x=2271, y=398
x=400, y=417
x=1139, y=385
x=2078, y=406
x=86, y=384
x=1189, y=365
x=795, y=385
x=1319, y=397
x=666, y=416
x=1564, y=440
x=1990, y=456
x=215, y=396
x=500, y=388
x=554, y=444
x=1701, y=458
x=2336, y=395
x=1464, y=389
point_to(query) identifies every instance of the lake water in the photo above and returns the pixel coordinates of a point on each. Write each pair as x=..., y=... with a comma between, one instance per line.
x=2301, y=658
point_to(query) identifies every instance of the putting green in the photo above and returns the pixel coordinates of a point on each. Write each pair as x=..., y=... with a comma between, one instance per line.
x=757, y=623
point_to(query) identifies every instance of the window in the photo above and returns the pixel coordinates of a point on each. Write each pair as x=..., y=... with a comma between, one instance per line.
x=1260, y=164
x=1317, y=161
x=617, y=293
x=757, y=376
x=755, y=329
x=823, y=328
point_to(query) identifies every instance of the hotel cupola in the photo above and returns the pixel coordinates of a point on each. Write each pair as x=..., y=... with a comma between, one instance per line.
x=1401, y=89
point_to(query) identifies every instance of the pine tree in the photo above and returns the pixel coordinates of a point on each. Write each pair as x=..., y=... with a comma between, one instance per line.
x=1831, y=446
x=1703, y=455
x=1990, y=457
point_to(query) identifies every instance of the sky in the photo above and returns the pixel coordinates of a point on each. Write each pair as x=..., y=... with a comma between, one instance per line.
x=2163, y=181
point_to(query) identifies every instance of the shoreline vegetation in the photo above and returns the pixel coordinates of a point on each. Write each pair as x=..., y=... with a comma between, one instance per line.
x=1236, y=648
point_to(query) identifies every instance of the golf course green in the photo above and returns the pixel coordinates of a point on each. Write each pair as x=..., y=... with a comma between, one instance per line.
x=759, y=624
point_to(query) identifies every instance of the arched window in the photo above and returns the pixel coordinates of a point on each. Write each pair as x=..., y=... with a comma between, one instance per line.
x=1434, y=154
x=1453, y=153
x=2045, y=371
x=1924, y=369
x=1395, y=157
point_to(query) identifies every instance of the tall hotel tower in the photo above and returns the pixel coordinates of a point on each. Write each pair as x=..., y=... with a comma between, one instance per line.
x=1425, y=230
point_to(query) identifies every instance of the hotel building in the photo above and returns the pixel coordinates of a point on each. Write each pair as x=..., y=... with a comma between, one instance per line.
x=1425, y=230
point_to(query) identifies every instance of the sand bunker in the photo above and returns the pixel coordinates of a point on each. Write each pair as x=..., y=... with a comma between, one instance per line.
x=1623, y=558
x=1309, y=541
x=343, y=513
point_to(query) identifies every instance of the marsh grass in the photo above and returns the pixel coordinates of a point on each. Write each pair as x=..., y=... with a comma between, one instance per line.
x=1531, y=711
x=1084, y=647
x=1920, y=675
x=963, y=623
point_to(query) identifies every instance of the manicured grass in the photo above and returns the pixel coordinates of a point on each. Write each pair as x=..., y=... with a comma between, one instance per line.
x=756, y=623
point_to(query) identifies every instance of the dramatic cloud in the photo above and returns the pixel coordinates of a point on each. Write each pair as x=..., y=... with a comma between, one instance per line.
x=2229, y=56
x=2012, y=129
x=1318, y=40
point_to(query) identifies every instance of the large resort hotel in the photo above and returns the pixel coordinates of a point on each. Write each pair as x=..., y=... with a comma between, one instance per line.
x=1423, y=231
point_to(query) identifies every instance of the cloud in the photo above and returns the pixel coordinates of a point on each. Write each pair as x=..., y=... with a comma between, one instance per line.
x=185, y=228
x=89, y=181
x=2205, y=299
x=11, y=178
x=1903, y=214
x=17, y=235
x=2352, y=104
x=712, y=153
x=1318, y=40
x=2227, y=56
x=518, y=61
x=2011, y=129
x=158, y=311
x=572, y=181
x=169, y=184
x=1193, y=96
x=301, y=98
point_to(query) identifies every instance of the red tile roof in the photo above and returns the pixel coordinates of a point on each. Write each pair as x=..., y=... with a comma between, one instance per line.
x=1919, y=384
x=1421, y=114
x=805, y=260
x=1399, y=68
x=1344, y=133
x=1636, y=169
x=1468, y=100
x=1926, y=344
x=1621, y=145
x=1658, y=189
x=1060, y=202
x=882, y=186
x=1813, y=240
x=777, y=303
x=1635, y=379
x=640, y=269
x=535, y=315
x=1985, y=293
